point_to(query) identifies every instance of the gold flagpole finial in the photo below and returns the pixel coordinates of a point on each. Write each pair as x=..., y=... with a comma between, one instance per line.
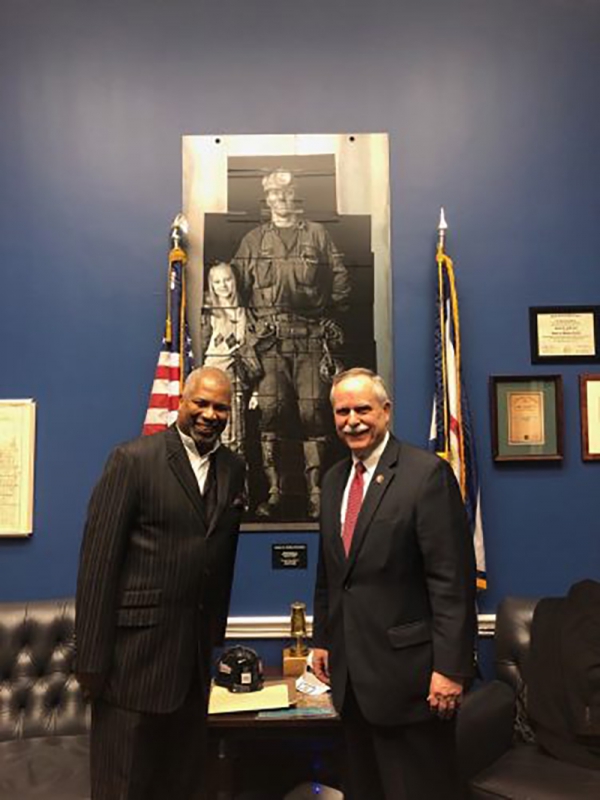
x=442, y=228
x=178, y=239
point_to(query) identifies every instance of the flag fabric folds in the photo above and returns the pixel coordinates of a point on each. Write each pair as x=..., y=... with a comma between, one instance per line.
x=175, y=357
x=451, y=434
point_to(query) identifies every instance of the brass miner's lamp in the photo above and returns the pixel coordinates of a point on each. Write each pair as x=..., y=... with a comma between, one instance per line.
x=294, y=657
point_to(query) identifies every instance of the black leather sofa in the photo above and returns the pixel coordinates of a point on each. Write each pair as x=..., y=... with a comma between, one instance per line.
x=44, y=721
x=495, y=734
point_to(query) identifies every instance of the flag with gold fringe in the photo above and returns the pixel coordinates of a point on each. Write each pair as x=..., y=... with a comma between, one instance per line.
x=451, y=434
x=175, y=356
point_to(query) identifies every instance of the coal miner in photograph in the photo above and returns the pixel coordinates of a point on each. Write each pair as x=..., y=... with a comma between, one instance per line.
x=294, y=282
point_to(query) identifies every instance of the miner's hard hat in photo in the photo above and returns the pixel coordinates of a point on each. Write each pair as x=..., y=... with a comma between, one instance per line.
x=280, y=179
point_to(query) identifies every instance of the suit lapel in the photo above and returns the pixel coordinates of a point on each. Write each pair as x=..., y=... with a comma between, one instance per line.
x=223, y=477
x=333, y=523
x=182, y=469
x=380, y=482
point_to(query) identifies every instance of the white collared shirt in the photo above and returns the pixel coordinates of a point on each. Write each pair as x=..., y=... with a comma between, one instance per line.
x=370, y=464
x=200, y=464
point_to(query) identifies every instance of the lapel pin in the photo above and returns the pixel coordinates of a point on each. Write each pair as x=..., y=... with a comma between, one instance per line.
x=379, y=479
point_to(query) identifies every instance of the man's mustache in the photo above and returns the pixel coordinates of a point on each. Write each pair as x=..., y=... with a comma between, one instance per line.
x=360, y=428
x=210, y=426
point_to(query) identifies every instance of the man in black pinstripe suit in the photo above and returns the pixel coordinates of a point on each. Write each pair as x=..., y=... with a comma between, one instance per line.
x=153, y=592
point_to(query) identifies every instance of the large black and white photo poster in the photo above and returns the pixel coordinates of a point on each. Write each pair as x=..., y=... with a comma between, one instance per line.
x=289, y=282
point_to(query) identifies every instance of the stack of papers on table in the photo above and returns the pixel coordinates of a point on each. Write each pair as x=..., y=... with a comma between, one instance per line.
x=273, y=695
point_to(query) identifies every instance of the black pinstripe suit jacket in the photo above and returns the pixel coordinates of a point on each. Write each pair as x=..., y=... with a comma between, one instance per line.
x=155, y=574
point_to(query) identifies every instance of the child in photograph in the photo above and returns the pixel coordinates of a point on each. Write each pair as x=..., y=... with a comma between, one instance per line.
x=225, y=337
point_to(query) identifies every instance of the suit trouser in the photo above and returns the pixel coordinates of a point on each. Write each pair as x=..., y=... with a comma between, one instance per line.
x=141, y=756
x=399, y=762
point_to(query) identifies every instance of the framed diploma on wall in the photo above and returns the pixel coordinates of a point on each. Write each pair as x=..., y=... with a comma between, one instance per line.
x=526, y=417
x=17, y=465
x=564, y=334
x=589, y=403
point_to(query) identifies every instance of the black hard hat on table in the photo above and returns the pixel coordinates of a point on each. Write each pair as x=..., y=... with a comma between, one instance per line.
x=240, y=669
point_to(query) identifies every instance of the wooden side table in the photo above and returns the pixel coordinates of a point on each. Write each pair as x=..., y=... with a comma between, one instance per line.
x=267, y=748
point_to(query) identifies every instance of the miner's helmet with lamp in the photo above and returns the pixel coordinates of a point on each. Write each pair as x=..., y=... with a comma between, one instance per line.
x=240, y=669
x=279, y=179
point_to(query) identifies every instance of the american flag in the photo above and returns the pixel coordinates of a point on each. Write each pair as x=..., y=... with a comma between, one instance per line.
x=451, y=435
x=175, y=357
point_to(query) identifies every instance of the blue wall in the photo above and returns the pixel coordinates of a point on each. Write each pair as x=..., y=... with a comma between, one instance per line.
x=492, y=109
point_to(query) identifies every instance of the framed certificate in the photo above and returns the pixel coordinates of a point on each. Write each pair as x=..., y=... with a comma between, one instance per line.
x=17, y=455
x=589, y=403
x=527, y=418
x=564, y=334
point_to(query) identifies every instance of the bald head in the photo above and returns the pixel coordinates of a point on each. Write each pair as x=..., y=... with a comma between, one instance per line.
x=205, y=406
x=210, y=375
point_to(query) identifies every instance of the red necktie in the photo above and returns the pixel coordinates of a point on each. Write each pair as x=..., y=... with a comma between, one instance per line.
x=355, y=498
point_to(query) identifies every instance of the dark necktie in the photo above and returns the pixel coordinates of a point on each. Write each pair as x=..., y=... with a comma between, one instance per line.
x=209, y=494
x=355, y=498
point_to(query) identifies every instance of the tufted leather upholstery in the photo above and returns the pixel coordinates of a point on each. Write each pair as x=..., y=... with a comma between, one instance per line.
x=519, y=770
x=44, y=721
x=39, y=695
x=513, y=633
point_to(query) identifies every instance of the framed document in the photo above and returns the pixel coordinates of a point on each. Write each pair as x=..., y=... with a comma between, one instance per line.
x=17, y=454
x=527, y=418
x=589, y=403
x=564, y=334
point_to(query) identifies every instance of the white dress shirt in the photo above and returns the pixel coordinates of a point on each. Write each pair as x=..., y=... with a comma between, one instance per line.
x=200, y=464
x=370, y=464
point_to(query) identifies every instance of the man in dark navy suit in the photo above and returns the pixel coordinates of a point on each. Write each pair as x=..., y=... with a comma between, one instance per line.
x=394, y=613
x=153, y=592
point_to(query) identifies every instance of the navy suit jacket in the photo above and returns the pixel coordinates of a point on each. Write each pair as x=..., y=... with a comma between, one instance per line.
x=155, y=574
x=403, y=603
